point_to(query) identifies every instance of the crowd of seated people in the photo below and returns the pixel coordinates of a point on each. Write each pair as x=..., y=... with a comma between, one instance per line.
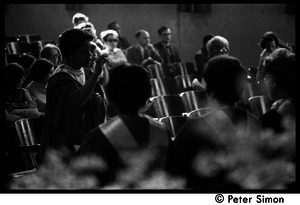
x=91, y=92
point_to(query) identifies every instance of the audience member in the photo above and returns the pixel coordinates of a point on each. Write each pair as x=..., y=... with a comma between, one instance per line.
x=18, y=102
x=52, y=53
x=143, y=53
x=115, y=55
x=215, y=133
x=217, y=45
x=129, y=133
x=40, y=73
x=79, y=18
x=35, y=49
x=167, y=50
x=268, y=44
x=26, y=61
x=123, y=43
x=71, y=103
x=18, y=105
x=280, y=78
x=201, y=56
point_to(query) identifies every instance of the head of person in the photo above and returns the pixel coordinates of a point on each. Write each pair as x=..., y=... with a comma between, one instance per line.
x=52, y=53
x=165, y=34
x=280, y=73
x=205, y=40
x=79, y=18
x=74, y=45
x=114, y=26
x=13, y=75
x=142, y=37
x=26, y=60
x=89, y=27
x=128, y=88
x=110, y=38
x=217, y=45
x=225, y=79
x=269, y=41
x=41, y=70
x=35, y=48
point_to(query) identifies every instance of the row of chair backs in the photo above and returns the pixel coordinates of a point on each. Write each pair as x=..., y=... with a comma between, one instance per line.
x=170, y=71
x=169, y=86
x=25, y=47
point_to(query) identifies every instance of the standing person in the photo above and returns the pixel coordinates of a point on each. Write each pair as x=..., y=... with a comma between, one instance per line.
x=130, y=133
x=167, y=50
x=143, y=53
x=70, y=98
x=201, y=56
x=123, y=43
x=79, y=18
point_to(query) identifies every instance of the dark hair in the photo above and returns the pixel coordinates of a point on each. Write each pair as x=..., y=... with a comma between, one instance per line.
x=162, y=29
x=128, y=87
x=206, y=38
x=40, y=69
x=281, y=65
x=267, y=37
x=26, y=60
x=71, y=40
x=112, y=25
x=222, y=76
x=13, y=73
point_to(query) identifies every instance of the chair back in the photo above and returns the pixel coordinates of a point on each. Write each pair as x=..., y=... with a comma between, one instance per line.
x=29, y=38
x=18, y=48
x=193, y=100
x=168, y=105
x=183, y=68
x=173, y=124
x=259, y=105
x=159, y=71
x=199, y=113
x=29, y=132
x=185, y=82
x=166, y=86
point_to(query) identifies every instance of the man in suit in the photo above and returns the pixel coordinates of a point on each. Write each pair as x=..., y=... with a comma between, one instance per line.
x=143, y=53
x=167, y=50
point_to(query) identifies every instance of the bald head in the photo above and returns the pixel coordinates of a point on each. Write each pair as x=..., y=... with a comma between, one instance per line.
x=142, y=37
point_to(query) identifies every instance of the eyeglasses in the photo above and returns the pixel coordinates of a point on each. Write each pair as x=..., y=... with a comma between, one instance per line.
x=112, y=40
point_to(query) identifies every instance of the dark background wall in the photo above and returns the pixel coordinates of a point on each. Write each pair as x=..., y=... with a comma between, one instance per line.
x=242, y=24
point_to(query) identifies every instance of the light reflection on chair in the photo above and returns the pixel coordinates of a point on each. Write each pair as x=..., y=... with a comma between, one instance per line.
x=185, y=82
x=259, y=105
x=168, y=105
x=199, y=113
x=173, y=124
x=164, y=86
x=159, y=71
x=29, y=132
x=193, y=100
